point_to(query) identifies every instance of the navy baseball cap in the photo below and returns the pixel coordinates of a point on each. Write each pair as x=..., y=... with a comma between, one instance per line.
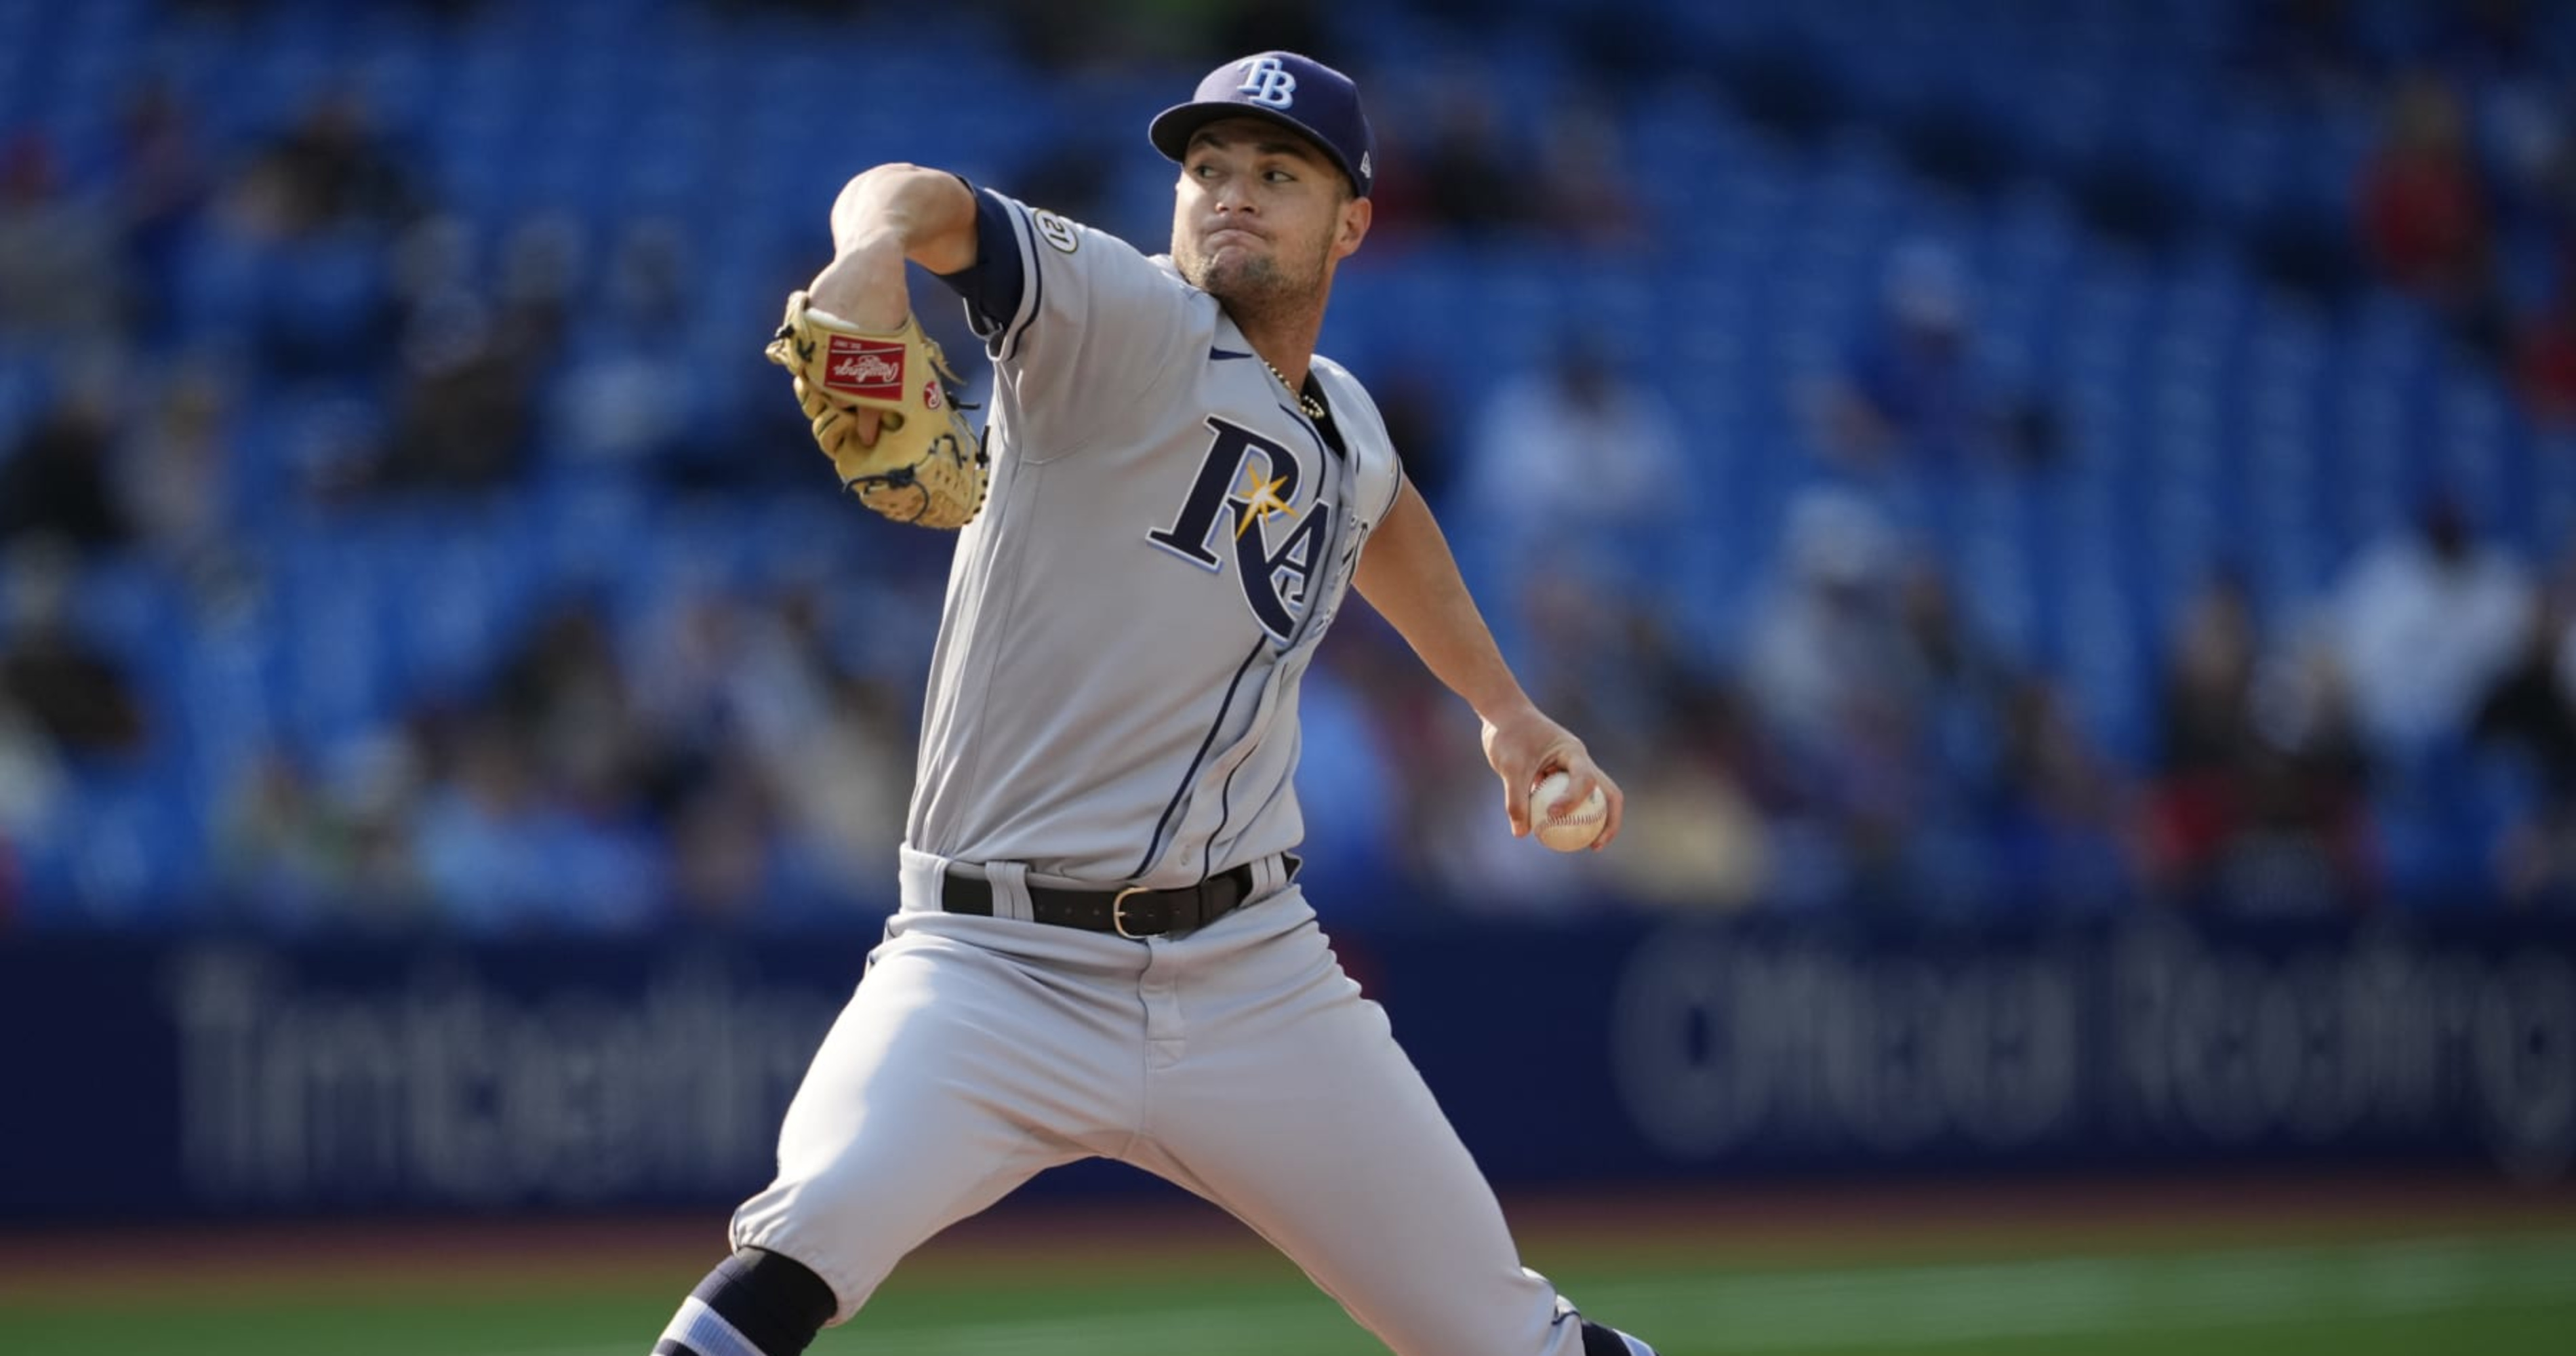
x=1305, y=95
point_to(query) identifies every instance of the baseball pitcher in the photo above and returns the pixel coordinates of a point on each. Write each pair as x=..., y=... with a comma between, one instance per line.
x=1102, y=948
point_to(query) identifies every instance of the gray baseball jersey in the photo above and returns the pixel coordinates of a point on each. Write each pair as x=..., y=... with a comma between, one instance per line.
x=1113, y=696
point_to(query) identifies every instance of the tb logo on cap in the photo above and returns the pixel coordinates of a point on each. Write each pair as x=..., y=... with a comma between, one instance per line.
x=1268, y=83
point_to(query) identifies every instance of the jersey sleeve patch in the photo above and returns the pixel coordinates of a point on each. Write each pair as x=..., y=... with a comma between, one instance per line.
x=1057, y=231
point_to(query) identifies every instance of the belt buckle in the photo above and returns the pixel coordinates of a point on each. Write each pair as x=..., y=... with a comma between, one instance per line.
x=1118, y=914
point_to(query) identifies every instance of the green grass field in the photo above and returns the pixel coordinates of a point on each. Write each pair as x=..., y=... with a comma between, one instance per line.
x=2437, y=1288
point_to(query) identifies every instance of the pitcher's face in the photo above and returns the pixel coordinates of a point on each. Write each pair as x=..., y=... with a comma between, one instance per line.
x=1261, y=214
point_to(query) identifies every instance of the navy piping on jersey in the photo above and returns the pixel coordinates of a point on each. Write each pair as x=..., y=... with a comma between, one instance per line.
x=1224, y=812
x=1036, y=287
x=991, y=286
x=1155, y=843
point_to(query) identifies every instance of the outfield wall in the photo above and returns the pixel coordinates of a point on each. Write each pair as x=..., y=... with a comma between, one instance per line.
x=178, y=1078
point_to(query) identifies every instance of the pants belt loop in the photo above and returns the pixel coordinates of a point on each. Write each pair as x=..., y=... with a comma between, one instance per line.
x=1010, y=881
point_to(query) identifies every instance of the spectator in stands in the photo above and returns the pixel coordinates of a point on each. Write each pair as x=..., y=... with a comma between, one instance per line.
x=2206, y=707
x=1584, y=458
x=725, y=866
x=1584, y=177
x=2422, y=624
x=545, y=262
x=307, y=225
x=295, y=853
x=483, y=837
x=2424, y=216
x=1695, y=835
x=1353, y=776
x=566, y=696
x=851, y=776
x=175, y=484
x=546, y=802
x=2545, y=353
x=503, y=852
x=630, y=400
x=32, y=785
x=1472, y=177
x=2262, y=805
x=823, y=754
x=1469, y=188
x=334, y=168
x=2301, y=838
x=77, y=694
x=464, y=411
x=60, y=286
x=1911, y=390
x=1417, y=407
x=2522, y=115
x=462, y=416
x=2537, y=870
x=1833, y=676
x=2531, y=706
x=161, y=189
x=2061, y=817
x=56, y=483
x=1586, y=651
x=2530, y=715
x=1964, y=678
x=1828, y=654
x=273, y=850
x=2018, y=810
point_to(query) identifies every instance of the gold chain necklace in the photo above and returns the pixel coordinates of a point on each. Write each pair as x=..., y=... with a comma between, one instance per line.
x=1314, y=408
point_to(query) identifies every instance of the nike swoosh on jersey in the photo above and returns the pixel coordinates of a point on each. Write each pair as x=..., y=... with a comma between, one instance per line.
x=1218, y=355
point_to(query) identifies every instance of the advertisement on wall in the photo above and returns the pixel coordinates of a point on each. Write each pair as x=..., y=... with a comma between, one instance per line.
x=189, y=1078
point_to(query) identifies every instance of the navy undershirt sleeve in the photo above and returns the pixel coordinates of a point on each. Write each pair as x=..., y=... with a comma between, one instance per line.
x=992, y=284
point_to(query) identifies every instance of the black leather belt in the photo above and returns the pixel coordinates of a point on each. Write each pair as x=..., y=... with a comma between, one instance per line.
x=1132, y=912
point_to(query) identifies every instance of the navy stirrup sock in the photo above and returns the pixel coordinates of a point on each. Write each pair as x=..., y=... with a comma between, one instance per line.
x=755, y=1303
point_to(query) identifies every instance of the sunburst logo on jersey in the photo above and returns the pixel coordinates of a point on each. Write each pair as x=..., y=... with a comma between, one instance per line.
x=1261, y=502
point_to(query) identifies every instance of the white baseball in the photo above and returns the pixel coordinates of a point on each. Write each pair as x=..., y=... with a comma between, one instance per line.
x=1574, y=830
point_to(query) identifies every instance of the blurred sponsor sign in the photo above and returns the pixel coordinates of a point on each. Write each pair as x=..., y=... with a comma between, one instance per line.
x=185, y=1077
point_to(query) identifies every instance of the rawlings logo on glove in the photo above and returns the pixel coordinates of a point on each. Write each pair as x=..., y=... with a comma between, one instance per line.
x=864, y=367
x=927, y=465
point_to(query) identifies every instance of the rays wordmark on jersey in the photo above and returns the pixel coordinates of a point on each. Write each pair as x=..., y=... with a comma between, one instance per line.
x=1244, y=482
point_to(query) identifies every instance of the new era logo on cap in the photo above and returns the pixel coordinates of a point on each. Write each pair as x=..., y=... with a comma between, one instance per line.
x=1298, y=92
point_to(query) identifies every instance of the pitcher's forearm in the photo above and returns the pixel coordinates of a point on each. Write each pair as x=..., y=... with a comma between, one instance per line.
x=884, y=217
x=928, y=213
x=1408, y=574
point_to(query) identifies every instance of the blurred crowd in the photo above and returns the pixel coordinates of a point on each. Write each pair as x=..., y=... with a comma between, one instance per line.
x=731, y=754
x=2468, y=201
